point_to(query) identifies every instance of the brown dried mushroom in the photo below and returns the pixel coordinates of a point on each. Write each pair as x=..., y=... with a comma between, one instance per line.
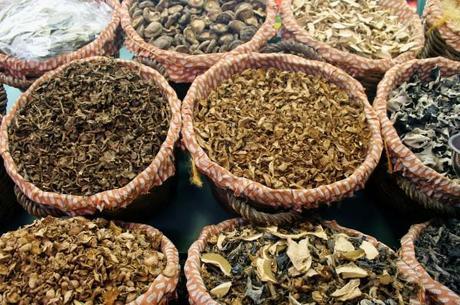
x=283, y=129
x=93, y=127
x=77, y=261
x=197, y=26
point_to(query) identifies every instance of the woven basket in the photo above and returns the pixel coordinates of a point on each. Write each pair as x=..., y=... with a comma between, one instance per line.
x=442, y=37
x=22, y=73
x=7, y=199
x=151, y=180
x=248, y=191
x=184, y=68
x=437, y=292
x=368, y=71
x=420, y=183
x=199, y=295
x=163, y=288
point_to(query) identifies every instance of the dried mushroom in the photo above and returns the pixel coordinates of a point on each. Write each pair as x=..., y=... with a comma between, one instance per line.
x=437, y=249
x=425, y=113
x=197, y=26
x=283, y=129
x=362, y=27
x=297, y=267
x=93, y=127
x=77, y=261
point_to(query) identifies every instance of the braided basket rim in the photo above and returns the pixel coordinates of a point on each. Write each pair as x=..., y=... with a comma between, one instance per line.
x=20, y=67
x=288, y=198
x=156, y=173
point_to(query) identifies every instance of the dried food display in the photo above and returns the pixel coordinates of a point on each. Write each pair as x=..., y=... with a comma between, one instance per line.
x=362, y=27
x=437, y=250
x=197, y=26
x=80, y=262
x=303, y=263
x=283, y=129
x=426, y=113
x=93, y=127
x=38, y=30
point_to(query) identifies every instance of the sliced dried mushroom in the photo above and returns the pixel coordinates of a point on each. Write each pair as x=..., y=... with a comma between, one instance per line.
x=362, y=27
x=219, y=261
x=303, y=270
x=221, y=290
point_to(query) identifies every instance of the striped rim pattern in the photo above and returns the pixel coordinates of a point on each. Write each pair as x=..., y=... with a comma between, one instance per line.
x=366, y=69
x=403, y=160
x=243, y=187
x=161, y=168
x=184, y=68
x=436, y=290
x=199, y=295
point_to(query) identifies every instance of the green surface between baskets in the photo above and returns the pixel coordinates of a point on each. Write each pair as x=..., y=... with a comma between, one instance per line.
x=191, y=208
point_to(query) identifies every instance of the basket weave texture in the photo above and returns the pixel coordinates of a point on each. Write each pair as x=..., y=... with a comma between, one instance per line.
x=21, y=73
x=403, y=160
x=161, y=168
x=440, y=293
x=163, y=288
x=366, y=70
x=443, y=37
x=199, y=295
x=184, y=68
x=243, y=187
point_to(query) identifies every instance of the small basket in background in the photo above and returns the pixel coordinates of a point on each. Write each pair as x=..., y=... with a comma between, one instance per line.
x=442, y=36
x=22, y=73
x=368, y=71
x=182, y=67
x=420, y=182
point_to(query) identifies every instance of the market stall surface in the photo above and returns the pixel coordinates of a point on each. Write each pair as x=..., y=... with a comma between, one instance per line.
x=191, y=208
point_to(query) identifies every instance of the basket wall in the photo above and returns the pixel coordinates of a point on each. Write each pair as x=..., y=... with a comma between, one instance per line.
x=242, y=187
x=184, y=68
x=198, y=293
x=440, y=293
x=21, y=73
x=161, y=168
x=403, y=160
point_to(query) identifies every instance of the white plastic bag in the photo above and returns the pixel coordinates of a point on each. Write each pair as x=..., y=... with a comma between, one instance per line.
x=39, y=29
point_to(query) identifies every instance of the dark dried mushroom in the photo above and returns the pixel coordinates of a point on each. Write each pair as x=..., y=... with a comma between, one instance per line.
x=208, y=19
x=163, y=42
x=101, y=124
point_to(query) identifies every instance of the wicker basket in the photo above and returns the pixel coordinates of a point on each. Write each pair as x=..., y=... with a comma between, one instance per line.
x=368, y=71
x=184, y=68
x=199, y=295
x=436, y=292
x=421, y=183
x=153, y=184
x=252, y=193
x=7, y=198
x=442, y=37
x=22, y=73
